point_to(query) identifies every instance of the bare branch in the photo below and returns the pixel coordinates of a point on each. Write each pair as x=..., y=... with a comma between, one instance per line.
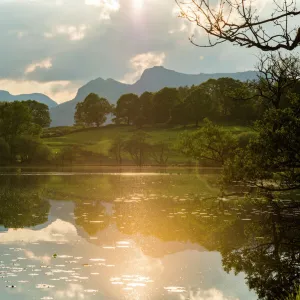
x=239, y=22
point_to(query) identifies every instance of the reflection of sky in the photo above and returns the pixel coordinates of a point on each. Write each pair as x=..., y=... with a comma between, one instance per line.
x=112, y=266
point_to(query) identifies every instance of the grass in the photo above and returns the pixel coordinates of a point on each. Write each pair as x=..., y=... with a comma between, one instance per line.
x=294, y=296
x=98, y=140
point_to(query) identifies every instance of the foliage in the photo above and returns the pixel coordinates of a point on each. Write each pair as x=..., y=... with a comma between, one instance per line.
x=210, y=142
x=164, y=102
x=16, y=120
x=271, y=161
x=31, y=150
x=127, y=108
x=199, y=105
x=137, y=147
x=245, y=138
x=92, y=111
x=21, y=203
x=39, y=113
x=277, y=166
x=295, y=295
x=67, y=155
x=4, y=152
x=146, y=107
x=222, y=100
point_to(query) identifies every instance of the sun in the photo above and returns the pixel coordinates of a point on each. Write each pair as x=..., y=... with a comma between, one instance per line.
x=138, y=4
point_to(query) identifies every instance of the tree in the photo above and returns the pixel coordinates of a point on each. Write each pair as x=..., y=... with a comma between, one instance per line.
x=127, y=108
x=67, y=155
x=30, y=149
x=21, y=207
x=16, y=120
x=146, y=107
x=241, y=22
x=4, y=152
x=117, y=148
x=92, y=111
x=160, y=152
x=199, y=105
x=278, y=76
x=271, y=162
x=137, y=147
x=39, y=112
x=210, y=142
x=164, y=102
x=268, y=253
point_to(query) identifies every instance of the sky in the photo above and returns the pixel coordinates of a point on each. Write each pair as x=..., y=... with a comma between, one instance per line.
x=56, y=46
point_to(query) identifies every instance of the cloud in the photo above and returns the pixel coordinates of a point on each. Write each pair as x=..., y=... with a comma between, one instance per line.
x=44, y=64
x=58, y=231
x=74, y=33
x=86, y=39
x=59, y=91
x=73, y=291
x=107, y=7
x=46, y=259
x=141, y=62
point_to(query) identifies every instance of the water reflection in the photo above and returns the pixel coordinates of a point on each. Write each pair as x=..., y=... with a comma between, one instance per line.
x=142, y=237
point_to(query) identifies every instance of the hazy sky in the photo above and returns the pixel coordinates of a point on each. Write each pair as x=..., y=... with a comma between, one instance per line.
x=55, y=46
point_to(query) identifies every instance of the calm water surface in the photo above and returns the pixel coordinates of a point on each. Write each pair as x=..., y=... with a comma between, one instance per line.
x=141, y=236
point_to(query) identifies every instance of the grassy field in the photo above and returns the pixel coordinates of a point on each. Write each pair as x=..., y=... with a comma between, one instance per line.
x=98, y=140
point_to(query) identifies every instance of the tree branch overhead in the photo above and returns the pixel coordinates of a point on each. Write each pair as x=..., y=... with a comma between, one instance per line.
x=242, y=23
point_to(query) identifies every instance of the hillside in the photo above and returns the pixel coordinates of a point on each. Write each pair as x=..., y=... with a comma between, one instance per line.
x=152, y=80
x=97, y=141
x=7, y=97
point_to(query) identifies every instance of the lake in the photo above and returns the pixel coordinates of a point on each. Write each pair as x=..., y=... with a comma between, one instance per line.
x=142, y=236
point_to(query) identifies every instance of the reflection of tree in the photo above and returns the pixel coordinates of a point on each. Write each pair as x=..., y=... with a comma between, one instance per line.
x=21, y=202
x=91, y=216
x=270, y=255
x=257, y=239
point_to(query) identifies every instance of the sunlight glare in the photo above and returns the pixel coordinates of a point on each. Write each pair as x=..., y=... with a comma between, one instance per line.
x=138, y=4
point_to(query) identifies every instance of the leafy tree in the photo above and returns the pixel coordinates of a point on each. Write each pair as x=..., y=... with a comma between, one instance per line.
x=210, y=142
x=67, y=155
x=92, y=111
x=39, y=112
x=16, y=120
x=30, y=149
x=164, y=102
x=146, y=107
x=22, y=207
x=4, y=152
x=127, y=108
x=137, y=147
x=199, y=105
x=267, y=254
x=180, y=114
x=184, y=91
x=271, y=161
x=86, y=213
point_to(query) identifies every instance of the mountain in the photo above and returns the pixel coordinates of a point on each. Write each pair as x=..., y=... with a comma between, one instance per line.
x=7, y=97
x=152, y=80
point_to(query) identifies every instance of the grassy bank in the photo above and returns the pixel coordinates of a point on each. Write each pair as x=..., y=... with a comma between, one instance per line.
x=97, y=141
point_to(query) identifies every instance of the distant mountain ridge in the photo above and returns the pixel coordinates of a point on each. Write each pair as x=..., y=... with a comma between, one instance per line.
x=152, y=80
x=7, y=97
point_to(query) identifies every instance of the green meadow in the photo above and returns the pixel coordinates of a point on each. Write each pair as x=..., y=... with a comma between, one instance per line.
x=97, y=141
